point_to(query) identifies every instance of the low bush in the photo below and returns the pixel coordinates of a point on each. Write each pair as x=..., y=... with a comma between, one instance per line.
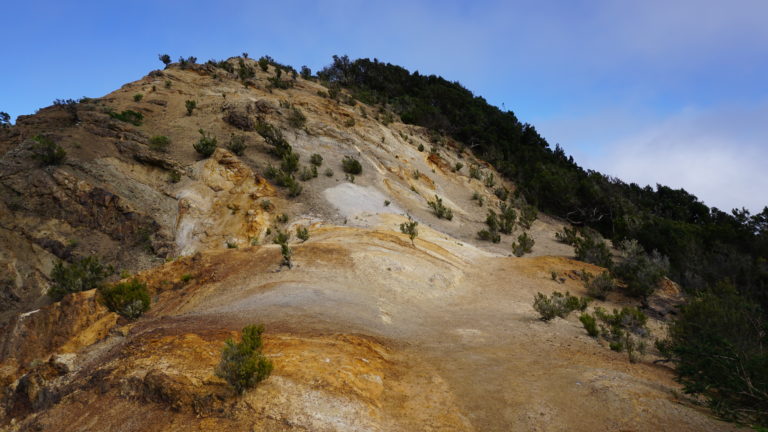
x=129, y=299
x=47, y=152
x=351, y=165
x=439, y=209
x=82, y=275
x=128, y=116
x=159, y=143
x=302, y=233
x=592, y=249
x=488, y=235
x=243, y=364
x=558, y=305
x=599, y=286
x=308, y=173
x=410, y=228
x=138, y=97
x=206, y=145
x=640, y=271
x=475, y=172
x=523, y=245
x=190, y=105
x=569, y=235
x=237, y=144
x=296, y=118
x=590, y=324
x=316, y=160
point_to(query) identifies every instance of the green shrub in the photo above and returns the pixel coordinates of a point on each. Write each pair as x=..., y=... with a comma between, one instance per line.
x=351, y=165
x=206, y=145
x=328, y=172
x=290, y=162
x=718, y=345
x=528, y=215
x=475, y=172
x=242, y=364
x=306, y=72
x=489, y=235
x=159, y=143
x=128, y=116
x=237, y=144
x=82, y=275
x=174, y=176
x=294, y=188
x=190, y=105
x=640, y=271
x=410, y=228
x=302, y=233
x=308, y=173
x=420, y=147
x=129, y=299
x=458, y=167
x=490, y=181
x=558, y=305
x=592, y=249
x=523, y=245
x=629, y=319
x=501, y=193
x=439, y=209
x=287, y=254
x=138, y=97
x=274, y=137
x=598, y=287
x=47, y=152
x=316, y=160
x=263, y=63
x=568, y=235
x=507, y=219
x=165, y=58
x=590, y=324
x=296, y=118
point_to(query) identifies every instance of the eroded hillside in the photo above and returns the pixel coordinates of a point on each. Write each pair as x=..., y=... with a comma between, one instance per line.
x=367, y=330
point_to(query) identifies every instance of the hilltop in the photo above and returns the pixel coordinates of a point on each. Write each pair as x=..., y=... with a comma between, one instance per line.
x=367, y=329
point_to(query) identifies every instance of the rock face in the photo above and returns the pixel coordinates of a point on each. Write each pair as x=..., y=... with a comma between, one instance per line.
x=368, y=331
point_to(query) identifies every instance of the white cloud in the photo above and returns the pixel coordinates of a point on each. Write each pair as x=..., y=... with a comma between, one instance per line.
x=718, y=154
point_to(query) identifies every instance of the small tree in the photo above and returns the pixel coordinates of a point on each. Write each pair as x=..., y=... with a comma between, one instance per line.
x=263, y=63
x=287, y=253
x=5, y=120
x=165, y=58
x=243, y=365
x=642, y=272
x=410, y=228
x=129, y=299
x=306, y=72
x=206, y=145
x=190, y=105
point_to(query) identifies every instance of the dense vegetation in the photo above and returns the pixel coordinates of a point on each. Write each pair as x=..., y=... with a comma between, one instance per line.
x=707, y=248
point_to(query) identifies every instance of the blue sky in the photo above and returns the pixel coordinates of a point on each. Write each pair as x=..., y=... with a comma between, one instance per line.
x=674, y=92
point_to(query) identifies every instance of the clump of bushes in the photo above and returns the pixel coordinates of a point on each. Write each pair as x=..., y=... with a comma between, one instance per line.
x=568, y=235
x=351, y=165
x=316, y=160
x=47, y=152
x=625, y=330
x=237, y=144
x=128, y=116
x=439, y=209
x=206, y=145
x=82, y=275
x=475, y=172
x=302, y=233
x=242, y=364
x=159, y=143
x=523, y=245
x=308, y=173
x=590, y=324
x=129, y=299
x=558, y=305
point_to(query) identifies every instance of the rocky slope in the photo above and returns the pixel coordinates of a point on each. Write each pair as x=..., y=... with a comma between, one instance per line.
x=367, y=331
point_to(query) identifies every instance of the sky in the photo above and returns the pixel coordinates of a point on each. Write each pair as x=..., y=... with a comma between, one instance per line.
x=670, y=92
